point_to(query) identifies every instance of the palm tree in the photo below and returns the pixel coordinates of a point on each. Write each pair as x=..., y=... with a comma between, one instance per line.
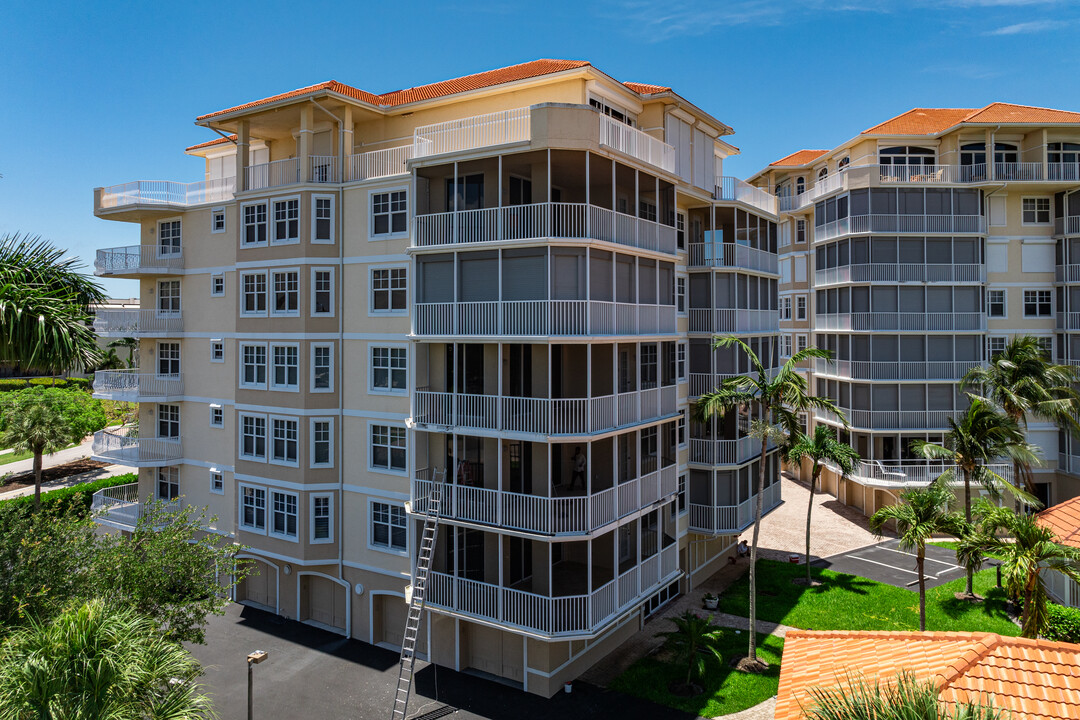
x=980, y=436
x=1022, y=381
x=110, y=361
x=692, y=637
x=92, y=662
x=45, y=307
x=904, y=699
x=1026, y=550
x=779, y=400
x=921, y=514
x=820, y=448
x=132, y=345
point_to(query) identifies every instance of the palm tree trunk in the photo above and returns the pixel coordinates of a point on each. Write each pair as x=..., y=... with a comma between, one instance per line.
x=758, y=505
x=37, y=479
x=967, y=517
x=920, y=560
x=809, y=511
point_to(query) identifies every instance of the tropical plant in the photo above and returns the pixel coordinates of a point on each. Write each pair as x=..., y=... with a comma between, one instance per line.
x=1026, y=549
x=109, y=361
x=1022, y=380
x=694, y=636
x=98, y=662
x=822, y=447
x=778, y=398
x=921, y=514
x=905, y=699
x=45, y=307
x=132, y=345
x=43, y=420
x=977, y=439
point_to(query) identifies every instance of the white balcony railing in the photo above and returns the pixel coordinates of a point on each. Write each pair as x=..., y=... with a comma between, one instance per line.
x=137, y=451
x=1068, y=320
x=138, y=259
x=730, y=255
x=912, y=473
x=1068, y=273
x=380, y=163
x=479, y=131
x=830, y=184
x=167, y=192
x=724, y=452
x=929, y=224
x=1018, y=171
x=637, y=144
x=324, y=169
x=134, y=386
x=1063, y=171
x=729, y=320
x=272, y=174
x=135, y=322
x=902, y=272
x=731, y=519
x=542, y=318
x=1068, y=225
x=901, y=321
x=570, y=615
x=731, y=188
x=898, y=370
x=543, y=220
x=893, y=419
x=701, y=383
x=118, y=505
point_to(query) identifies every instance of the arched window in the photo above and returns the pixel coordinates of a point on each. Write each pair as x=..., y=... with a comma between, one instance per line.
x=1005, y=153
x=822, y=174
x=800, y=185
x=842, y=165
x=906, y=155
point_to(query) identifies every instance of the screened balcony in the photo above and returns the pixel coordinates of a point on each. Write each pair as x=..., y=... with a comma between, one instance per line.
x=899, y=357
x=731, y=238
x=887, y=211
x=708, y=365
x=721, y=502
x=900, y=260
x=722, y=303
x=899, y=308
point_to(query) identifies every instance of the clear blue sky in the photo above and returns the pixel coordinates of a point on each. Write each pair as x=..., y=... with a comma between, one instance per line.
x=102, y=93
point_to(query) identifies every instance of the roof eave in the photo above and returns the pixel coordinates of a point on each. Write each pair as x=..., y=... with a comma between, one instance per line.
x=214, y=118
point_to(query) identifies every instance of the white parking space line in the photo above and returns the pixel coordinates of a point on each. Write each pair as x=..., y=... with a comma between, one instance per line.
x=928, y=559
x=891, y=567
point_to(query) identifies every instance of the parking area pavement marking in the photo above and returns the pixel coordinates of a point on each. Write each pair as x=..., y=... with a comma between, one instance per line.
x=925, y=559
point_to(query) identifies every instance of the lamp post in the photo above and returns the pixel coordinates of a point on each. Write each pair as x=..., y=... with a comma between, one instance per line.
x=253, y=658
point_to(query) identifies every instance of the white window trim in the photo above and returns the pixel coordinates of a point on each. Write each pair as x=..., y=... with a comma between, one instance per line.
x=371, y=531
x=1050, y=211
x=311, y=442
x=240, y=437
x=213, y=472
x=685, y=376
x=270, y=492
x=157, y=236
x=333, y=219
x=214, y=341
x=311, y=374
x=372, y=312
x=270, y=441
x=271, y=232
x=271, y=292
x=371, y=369
x=333, y=291
x=311, y=519
x=240, y=366
x=372, y=237
x=1004, y=301
x=1023, y=299
x=240, y=509
x=806, y=342
x=224, y=220
x=270, y=368
x=243, y=294
x=180, y=294
x=684, y=420
x=678, y=276
x=371, y=450
x=213, y=278
x=243, y=225
x=806, y=308
x=213, y=407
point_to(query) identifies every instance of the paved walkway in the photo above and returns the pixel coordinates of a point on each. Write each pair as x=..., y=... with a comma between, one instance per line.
x=99, y=474
x=60, y=457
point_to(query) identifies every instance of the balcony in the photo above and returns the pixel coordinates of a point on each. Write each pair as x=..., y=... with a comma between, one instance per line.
x=900, y=273
x=380, y=163
x=1068, y=320
x=133, y=386
x=898, y=370
x=557, y=516
x=730, y=255
x=637, y=144
x=119, y=506
x=479, y=131
x=163, y=194
x=701, y=383
x=911, y=473
x=1068, y=273
x=830, y=184
x=543, y=416
x=731, y=320
x=137, y=260
x=1069, y=225
x=901, y=321
x=900, y=224
x=272, y=174
x=725, y=452
x=537, y=221
x=734, y=189
x=556, y=616
x=731, y=519
x=135, y=451
x=892, y=419
x=541, y=318
x=137, y=323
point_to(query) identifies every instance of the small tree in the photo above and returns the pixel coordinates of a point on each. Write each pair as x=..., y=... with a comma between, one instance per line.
x=693, y=637
x=110, y=361
x=43, y=420
x=904, y=699
x=132, y=345
x=821, y=447
x=921, y=514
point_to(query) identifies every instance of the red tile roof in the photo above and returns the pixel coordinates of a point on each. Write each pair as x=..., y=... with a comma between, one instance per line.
x=799, y=157
x=328, y=86
x=1000, y=112
x=1064, y=520
x=210, y=143
x=930, y=121
x=646, y=89
x=1035, y=679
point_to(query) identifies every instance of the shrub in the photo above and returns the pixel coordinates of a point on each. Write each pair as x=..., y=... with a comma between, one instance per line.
x=76, y=499
x=7, y=384
x=1063, y=624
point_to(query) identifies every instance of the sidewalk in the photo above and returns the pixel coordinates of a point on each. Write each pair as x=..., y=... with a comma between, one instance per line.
x=105, y=472
x=61, y=457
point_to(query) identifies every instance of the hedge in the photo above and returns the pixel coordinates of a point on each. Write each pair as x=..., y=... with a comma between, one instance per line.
x=79, y=383
x=76, y=499
x=1064, y=623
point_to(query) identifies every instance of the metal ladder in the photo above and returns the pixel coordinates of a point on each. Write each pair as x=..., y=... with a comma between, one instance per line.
x=416, y=599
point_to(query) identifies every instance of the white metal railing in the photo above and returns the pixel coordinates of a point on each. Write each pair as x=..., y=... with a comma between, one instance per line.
x=1068, y=273
x=118, y=504
x=714, y=519
x=380, y=163
x=928, y=173
x=731, y=188
x=730, y=255
x=701, y=383
x=730, y=320
x=637, y=144
x=542, y=318
x=542, y=220
x=167, y=192
x=134, y=385
x=112, y=447
x=912, y=473
x=272, y=174
x=724, y=452
x=901, y=272
x=895, y=370
x=901, y=321
x=1068, y=225
x=1018, y=171
x=830, y=184
x=497, y=128
x=893, y=419
x=1063, y=171
x=138, y=259
x=135, y=322
x=1068, y=320
x=324, y=169
x=935, y=224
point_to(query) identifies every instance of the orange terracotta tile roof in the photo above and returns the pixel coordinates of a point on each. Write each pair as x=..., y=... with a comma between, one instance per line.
x=1064, y=520
x=799, y=157
x=646, y=89
x=930, y=121
x=329, y=85
x=1035, y=679
x=1000, y=112
x=211, y=143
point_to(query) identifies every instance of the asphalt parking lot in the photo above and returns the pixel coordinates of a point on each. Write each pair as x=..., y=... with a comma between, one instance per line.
x=311, y=673
x=886, y=562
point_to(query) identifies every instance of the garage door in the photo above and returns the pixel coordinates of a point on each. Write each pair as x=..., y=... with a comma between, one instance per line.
x=324, y=601
x=260, y=586
x=493, y=651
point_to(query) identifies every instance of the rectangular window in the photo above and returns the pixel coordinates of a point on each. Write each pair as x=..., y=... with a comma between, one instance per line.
x=785, y=346
x=680, y=231
x=995, y=346
x=285, y=363
x=800, y=307
x=389, y=213
x=169, y=297
x=800, y=343
x=681, y=429
x=217, y=351
x=388, y=447
x=217, y=285
x=1036, y=211
x=1038, y=303
x=322, y=442
x=254, y=224
x=283, y=514
x=253, y=508
x=254, y=291
x=680, y=361
x=322, y=368
x=168, y=421
x=388, y=290
x=682, y=494
x=995, y=303
x=217, y=220
x=168, y=360
x=286, y=293
x=322, y=529
x=800, y=231
x=169, y=238
x=388, y=369
x=286, y=220
x=680, y=294
x=785, y=308
x=322, y=219
x=286, y=436
x=322, y=291
x=217, y=416
x=388, y=526
x=253, y=366
x=253, y=437
x=168, y=483
x=1047, y=345
x=217, y=482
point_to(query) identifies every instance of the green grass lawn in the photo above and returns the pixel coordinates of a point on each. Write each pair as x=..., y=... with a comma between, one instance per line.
x=16, y=457
x=726, y=689
x=848, y=602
